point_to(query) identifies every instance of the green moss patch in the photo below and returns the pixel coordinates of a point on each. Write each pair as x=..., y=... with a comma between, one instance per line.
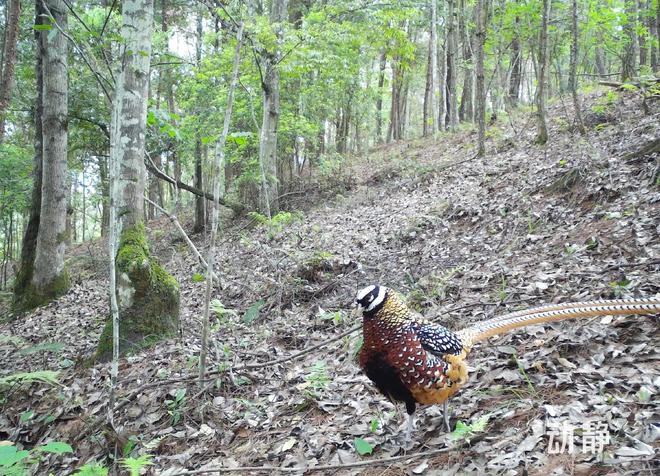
x=148, y=298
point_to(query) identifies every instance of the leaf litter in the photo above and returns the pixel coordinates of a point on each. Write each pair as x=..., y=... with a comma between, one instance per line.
x=526, y=226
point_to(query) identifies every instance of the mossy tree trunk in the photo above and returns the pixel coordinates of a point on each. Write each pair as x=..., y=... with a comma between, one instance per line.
x=147, y=298
x=29, y=247
x=48, y=274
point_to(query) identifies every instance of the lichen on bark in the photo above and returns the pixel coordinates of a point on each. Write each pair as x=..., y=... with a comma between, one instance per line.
x=147, y=295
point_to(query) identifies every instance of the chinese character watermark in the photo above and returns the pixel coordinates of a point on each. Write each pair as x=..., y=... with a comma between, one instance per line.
x=595, y=435
x=565, y=436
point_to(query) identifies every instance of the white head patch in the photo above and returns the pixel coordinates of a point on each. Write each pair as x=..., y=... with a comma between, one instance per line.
x=371, y=297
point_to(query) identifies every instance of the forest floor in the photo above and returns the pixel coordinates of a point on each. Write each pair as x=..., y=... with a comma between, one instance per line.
x=463, y=238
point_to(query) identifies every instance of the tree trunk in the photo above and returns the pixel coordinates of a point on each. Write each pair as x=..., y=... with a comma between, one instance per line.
x=542, y=134
x=442, y=84
x=218, y=183
x=451, y=66
x=600, y=62
x=271, y=114
x=379, y=100
x=642, y=6
x=628, y=65
x=466, y=110
x=572, y=78
x=516, y=67
x=21, y=300
x=482, y=14
x=200, y=208
x=430, y=112
x=654, y=29
x=147, y=297
x=105, y=195
x=395, y=131
x=9, y=59
x=50, y=278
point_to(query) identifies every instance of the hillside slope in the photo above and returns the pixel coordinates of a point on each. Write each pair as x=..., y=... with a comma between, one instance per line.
x=464, y=239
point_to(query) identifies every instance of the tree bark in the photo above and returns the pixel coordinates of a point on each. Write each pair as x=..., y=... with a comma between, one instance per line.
x=146, y=297
x=29, y=246
x=430, y=111
x=271, y=113
x=451, y=66
x=654, y=29
x=628, y=64
x=516, y=67
x=542, y=129
x=379, y=100
x=572, y=79
x=9, y=59
x=200, y=208
x=442, y=83
x=50, y=277
x=482, y=14
x=466, y=110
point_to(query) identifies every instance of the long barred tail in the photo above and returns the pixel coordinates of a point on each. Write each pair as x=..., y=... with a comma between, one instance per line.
x=556, y=312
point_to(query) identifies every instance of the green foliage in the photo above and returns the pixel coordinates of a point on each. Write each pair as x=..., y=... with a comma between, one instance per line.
x=14, y=462
x=91, y=469
x=252, y=312
x=465, y=431
x=278, y=222
x=604, y=104
x=175, y=406
x=221, y=313
x=43, y=347
x=317, y=379
x=135, y=465
x=198, y=278
x=48, y=377
x=621, y=287
x=362, y=447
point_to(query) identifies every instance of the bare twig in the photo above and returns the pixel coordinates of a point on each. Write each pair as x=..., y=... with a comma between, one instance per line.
x=185, y=236
x=327, y=467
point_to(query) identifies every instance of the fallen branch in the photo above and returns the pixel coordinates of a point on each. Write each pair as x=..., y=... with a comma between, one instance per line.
x=236, y=207
x=187, y=239
x=327, y=467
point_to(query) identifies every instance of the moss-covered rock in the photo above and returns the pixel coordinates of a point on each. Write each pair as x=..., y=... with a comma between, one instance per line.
x=147, y=296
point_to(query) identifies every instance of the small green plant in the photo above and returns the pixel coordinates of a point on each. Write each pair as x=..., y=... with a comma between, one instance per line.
x=15, y=462
x=502, y=292
x=198, y=278
x=49, y=377
x=318, y=379
x=363, y=447
x=135, y=465
x=533, y=223
x=521, y=370
x=91, y=469
x=277, y=223
x=571, y=249
x=252, y=312
x=466, y=431
x=621, y=287
x=644, y=395
x=221, y=312
x=336, y=317
x=175, y=405
x=375, y=424
x=604, y=103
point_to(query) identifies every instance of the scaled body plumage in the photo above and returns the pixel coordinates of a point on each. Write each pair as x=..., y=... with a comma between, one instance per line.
x=414, y=361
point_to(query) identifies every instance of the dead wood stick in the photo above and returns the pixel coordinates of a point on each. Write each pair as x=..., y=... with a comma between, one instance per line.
x=327, y=467
x=185, y=236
